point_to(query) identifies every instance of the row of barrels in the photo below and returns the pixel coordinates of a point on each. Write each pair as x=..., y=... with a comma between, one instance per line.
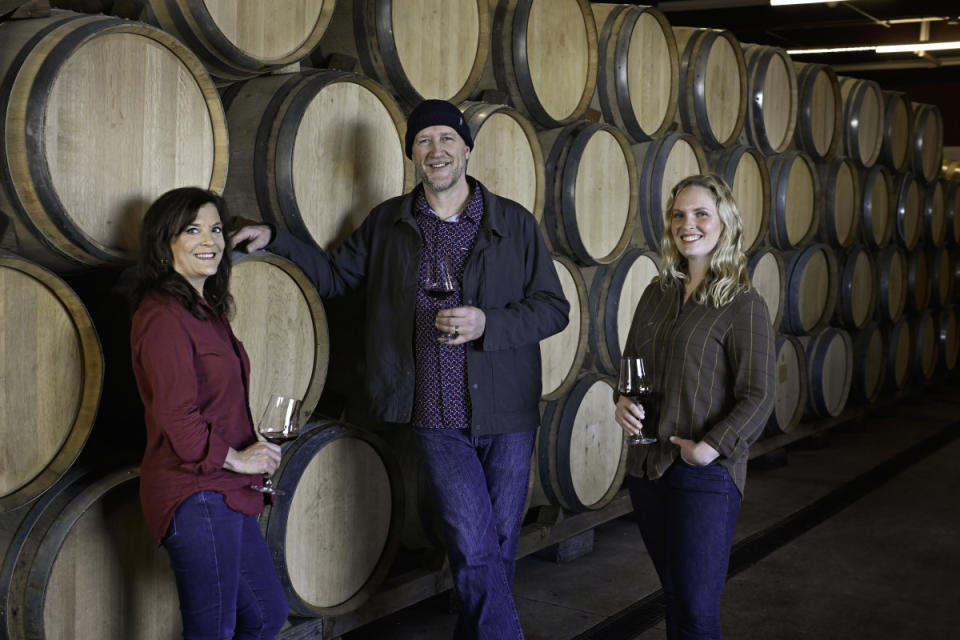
x=75, y=187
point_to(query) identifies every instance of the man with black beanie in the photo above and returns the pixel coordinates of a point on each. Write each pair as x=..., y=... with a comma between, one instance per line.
x=463, y=369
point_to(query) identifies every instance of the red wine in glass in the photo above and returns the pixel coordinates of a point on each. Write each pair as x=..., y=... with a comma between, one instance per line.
x=439, y=283
x=635, y=383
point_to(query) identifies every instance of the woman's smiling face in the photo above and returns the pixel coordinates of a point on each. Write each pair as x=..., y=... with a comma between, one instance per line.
x=198, y=249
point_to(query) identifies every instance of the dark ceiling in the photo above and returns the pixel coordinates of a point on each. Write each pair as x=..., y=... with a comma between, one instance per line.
x=931, y=77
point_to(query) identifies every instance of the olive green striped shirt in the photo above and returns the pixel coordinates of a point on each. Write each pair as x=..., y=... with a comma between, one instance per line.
x=714, y=371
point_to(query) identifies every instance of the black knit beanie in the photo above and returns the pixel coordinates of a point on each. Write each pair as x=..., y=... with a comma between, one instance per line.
x=430, y=113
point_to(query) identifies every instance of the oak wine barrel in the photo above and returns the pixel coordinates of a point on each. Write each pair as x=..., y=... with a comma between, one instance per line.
x=899, y=354
x=892, y=283
x=829, y=371
x=563, y=353
x=909, y=210
x=417, y=49
x=927, y=155
x=313, y=152
x=662, y=164
x=745, y=171
x=239, y=40
x=81, y=564
x=878, y=207
x=282, y=324
x=948, y=334
x=895, y=152
x=507, y=157
x=811, y=277
x=840, y=202
x=863, y=110
x=820, y=111
x=52, y=365
x=615, y=292
x=98, y=117
x=768, y=277
x=791, y=389
x=581, y=454
x=934, y=214
x=638, y=78
x=545, y=58
x=772, y=98
x=592, y=186
x=857, y=300
x=713, y=85
x=926, y=346
x=952, y=206
x=869, y=363
x=918, y=279
x=942, y=276
x=794, y=186
x=335, y=533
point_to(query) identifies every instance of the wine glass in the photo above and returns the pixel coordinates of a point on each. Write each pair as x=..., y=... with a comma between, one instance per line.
x=635, y=383
x=439, y=282
x=280, y=422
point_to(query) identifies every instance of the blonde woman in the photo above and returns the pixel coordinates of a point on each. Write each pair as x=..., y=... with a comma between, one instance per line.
x=705, y=334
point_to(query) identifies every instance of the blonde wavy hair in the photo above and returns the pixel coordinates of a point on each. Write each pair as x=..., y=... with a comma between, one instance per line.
x=727, y=274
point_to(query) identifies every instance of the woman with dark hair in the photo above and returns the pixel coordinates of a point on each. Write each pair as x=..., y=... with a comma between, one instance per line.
x=201, y=454
x=704, y=333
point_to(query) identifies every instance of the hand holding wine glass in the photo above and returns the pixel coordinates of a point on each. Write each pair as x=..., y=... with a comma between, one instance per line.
x=280, y=422
x=635, y=383
x=440, y=282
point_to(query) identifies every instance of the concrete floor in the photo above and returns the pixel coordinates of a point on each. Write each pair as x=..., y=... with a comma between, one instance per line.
x=857, y=536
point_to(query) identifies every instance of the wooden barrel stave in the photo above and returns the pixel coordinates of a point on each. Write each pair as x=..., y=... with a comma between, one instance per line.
x=857, y=299
x=909, y=210
x=615, y=292
x=895, y=151
x=892, y=283
x=840, y=202
x=49, y=339
x=863, y=110
x=59, y=100
x=336, y=532
x=820, y=112
x=277, y=123
x=592, y=186
x=772, y=98
x=563, y=354
x=794, y=185
x=638, y=71
x=927, y=154
x=878, y=208
x=768, y=277
x=829, y=370
x=745, y=170
x=282, y=323
x=662, y=164
x=811, y=277
x=507, y=156
x=545, y=58
x=581, y=453
x=713, y=85
x=791, y=390
x=869, y=363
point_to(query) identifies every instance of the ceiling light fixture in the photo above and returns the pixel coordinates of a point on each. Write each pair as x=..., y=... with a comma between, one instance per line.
x=795, y=52
x=782, y=3
x=917, y=46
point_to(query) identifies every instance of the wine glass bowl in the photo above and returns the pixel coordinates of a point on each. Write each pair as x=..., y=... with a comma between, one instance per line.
x=280, y=422
x=439, y=282
x=635, y=383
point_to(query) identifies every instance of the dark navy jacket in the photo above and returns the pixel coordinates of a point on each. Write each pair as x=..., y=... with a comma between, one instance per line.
x=509, y=274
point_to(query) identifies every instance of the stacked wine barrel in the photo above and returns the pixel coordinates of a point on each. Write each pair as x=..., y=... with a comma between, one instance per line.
x=586, y=113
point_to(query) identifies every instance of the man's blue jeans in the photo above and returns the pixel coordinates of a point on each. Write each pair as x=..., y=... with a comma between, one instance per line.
x=226, y=580
x=687, y=519
x=480, y=487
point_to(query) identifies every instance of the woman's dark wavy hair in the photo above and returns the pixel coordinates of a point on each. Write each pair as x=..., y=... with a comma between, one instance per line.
x=166, y=218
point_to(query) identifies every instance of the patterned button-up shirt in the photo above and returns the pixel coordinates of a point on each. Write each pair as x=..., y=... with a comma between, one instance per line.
x=442, y=400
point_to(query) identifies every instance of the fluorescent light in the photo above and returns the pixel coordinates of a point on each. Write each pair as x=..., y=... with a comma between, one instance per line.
x=917, y=46
x=794, y=52
x=781, y=3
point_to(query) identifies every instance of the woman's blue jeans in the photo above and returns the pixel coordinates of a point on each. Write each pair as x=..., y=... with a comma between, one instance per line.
x=480, y=488
x=227, y=583
x=687, y=519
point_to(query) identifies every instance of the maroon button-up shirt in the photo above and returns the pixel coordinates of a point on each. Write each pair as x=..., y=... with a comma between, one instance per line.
x=441, y=399
x=192, y=375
